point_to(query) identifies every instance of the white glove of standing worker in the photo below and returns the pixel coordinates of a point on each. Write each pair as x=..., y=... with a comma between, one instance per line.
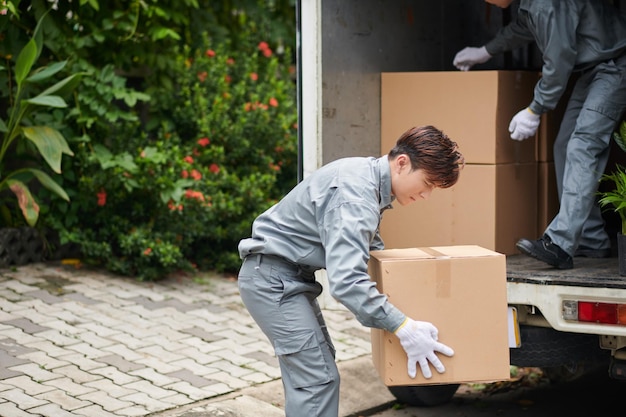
x=524, y=124
x=468, y=57
x=419, y=340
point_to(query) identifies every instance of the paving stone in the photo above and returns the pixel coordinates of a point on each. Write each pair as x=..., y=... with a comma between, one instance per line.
x=114, y=374
x=123, y=351
x=193, y=379
x=8, y=373
x=204, y=334
x=94, y=411
x=103, y=399
x=111, y=388
x=76, y=374
x=148, y=388
x=120, y=363
x=63, y=400
x=44, y=296
x=82, y=299
x=27, y=385
x=50, y=410
x=81, y=361
x=35, y=372
x=8, y=408
x=25, y=401
x=192, y=392
x=148, y=403
x=151, y=375
x=26, y=325
x=43, y=360
x=9, y=360
x=20, y=337
x=69, y=386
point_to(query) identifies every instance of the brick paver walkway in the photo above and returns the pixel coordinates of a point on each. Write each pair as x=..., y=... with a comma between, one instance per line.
x=81, y=342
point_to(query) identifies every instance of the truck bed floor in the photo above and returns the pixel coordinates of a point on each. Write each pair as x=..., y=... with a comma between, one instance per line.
x=587, y=272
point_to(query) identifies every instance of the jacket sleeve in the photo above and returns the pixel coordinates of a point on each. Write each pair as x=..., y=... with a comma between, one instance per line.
x=347, y=231
x=516, y=34
x=555, y=31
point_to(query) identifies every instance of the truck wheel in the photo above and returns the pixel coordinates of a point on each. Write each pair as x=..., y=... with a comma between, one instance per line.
x=424, y=395
x=545, y=347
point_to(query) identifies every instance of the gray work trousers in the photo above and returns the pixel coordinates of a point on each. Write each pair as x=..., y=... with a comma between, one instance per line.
x=282, y=298
x=581, y=152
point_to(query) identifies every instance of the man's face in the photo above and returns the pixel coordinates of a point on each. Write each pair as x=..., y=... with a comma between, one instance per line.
x=409, y=186
x=500, y=3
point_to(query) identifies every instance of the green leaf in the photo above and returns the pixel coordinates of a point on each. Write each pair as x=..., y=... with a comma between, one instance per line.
x=3, y=126
x=50, y=143
x=49, y=183
x=25, y=61
x=64, y=86
x=162, y=32
x=28, y=205
x=49, y=101
x=46, y=72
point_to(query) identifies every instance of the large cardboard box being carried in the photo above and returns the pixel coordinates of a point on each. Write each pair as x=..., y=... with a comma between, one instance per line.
x=473, y=108
x=492, y=206
x=462, y=291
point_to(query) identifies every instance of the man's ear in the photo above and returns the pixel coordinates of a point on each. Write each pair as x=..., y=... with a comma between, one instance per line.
x=403, y=161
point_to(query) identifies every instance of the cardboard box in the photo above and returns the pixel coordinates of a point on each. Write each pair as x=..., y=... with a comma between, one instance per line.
x=547, y=196
x=473, y=108
x=462, y=291
x=492, y=206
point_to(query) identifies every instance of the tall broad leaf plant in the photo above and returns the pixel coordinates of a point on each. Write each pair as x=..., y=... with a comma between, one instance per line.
x=18, y=128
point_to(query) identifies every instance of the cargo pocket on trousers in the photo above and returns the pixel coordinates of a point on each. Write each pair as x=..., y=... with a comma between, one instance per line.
x=303, y=358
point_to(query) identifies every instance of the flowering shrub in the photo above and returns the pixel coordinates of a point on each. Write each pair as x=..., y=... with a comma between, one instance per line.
x=181, y=191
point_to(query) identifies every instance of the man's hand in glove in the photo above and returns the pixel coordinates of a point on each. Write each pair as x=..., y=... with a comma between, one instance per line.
x=419, y=340
x=524, y=124
x=468, y=57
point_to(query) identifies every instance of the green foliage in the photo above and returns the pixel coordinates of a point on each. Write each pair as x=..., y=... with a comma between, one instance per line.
x=37, y=146
x=176, y=150
x=616, y=196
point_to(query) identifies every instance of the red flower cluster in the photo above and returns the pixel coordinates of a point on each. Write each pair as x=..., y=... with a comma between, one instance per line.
x=102, y=197
x=174, y=207
x=194, y=194
x=265, y=49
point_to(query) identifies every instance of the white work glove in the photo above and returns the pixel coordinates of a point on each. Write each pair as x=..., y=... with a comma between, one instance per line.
x=419, y=340
x=524, y=124
x=468, y=57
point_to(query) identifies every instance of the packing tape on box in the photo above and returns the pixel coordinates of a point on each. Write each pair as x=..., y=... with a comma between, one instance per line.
x=443, y=272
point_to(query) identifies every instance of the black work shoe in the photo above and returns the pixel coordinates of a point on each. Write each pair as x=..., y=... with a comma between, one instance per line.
x=546, y=251
x=592, y=253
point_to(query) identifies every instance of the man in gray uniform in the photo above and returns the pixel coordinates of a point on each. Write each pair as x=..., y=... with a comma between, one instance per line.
x=587, y=37
x=330, y=220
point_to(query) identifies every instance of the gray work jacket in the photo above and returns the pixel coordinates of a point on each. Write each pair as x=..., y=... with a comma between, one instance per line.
x=330, y=220
x=572, y=35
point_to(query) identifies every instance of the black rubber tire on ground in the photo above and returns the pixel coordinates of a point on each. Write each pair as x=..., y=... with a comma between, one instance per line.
x=424, y=395
x=545, y=347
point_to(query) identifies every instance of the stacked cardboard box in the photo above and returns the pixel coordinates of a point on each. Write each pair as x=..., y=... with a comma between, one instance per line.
x=460, y=289
x=495, y=202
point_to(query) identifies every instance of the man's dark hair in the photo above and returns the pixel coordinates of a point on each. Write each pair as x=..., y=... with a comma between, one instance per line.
x=430, y=150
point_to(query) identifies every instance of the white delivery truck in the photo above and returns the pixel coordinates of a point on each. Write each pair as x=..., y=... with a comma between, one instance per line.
x=569, y=320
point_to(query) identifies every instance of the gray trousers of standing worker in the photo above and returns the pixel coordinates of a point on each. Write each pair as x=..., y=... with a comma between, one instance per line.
x=282, y=298
x=581, y=152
